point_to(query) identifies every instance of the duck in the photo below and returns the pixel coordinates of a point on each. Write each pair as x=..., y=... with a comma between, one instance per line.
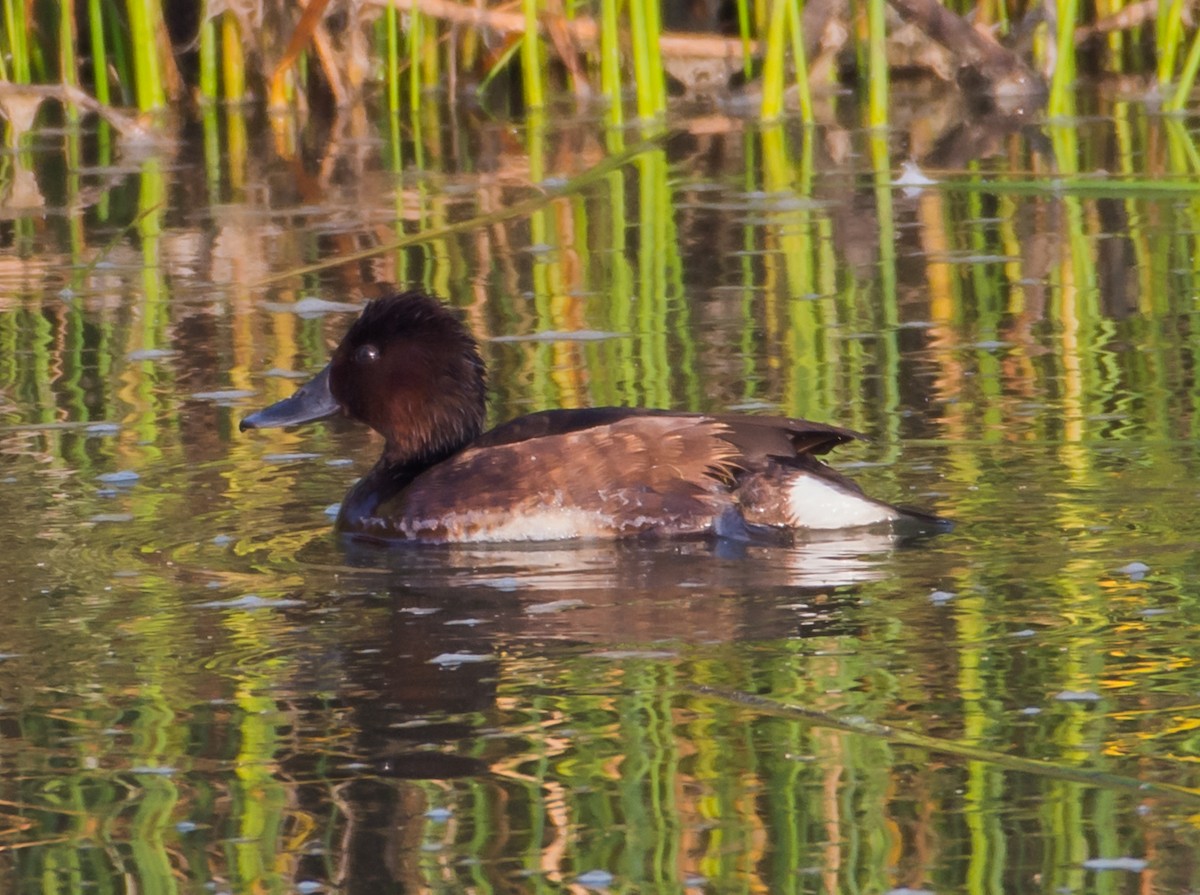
x=409, y=368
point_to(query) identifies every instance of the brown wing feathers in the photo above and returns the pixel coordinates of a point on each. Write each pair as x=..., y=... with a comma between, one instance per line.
x=643, y=472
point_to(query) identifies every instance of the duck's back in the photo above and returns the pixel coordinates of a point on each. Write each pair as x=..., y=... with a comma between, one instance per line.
x=619, y=473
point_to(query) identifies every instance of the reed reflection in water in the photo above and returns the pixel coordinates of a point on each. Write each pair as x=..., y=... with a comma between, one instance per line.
x=200, y=686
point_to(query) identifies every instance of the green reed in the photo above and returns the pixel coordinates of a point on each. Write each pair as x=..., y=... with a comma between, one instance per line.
x=877, y=68
x=391, y=28
x=1169, y=36
x=233, y=59
x=128, y=46
x=800, y=60
x=17, y=30
x=649, y=83
x=783, y=33
x=772, y=94
x=532, y=67
x=116, y=34
x=145, y=26
x=209, y=77
x=1062, y=82
x=1177, y=101
x=610, y=62
x=68, y=65
x=746, y=33
x=99, y=52
x=416, y=25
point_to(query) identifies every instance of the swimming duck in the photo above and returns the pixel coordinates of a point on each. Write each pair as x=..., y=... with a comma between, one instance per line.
x=409, y=369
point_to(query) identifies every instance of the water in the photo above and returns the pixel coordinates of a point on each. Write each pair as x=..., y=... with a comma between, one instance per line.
x=203, y=689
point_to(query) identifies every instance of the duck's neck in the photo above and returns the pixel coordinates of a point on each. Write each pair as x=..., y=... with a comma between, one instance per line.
x=387, y=478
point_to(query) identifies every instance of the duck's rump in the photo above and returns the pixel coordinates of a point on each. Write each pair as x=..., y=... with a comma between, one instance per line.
x=619, y=473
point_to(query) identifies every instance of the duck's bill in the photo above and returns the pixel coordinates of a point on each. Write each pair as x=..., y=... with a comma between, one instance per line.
x=312, y=401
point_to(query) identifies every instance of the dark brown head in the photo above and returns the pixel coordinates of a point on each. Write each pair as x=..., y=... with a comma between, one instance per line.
x=409, y=369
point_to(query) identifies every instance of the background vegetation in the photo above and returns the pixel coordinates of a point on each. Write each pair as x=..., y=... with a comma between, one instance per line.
x=770, y=53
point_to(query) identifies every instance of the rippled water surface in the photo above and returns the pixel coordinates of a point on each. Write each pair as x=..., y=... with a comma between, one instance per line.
x=202, y=688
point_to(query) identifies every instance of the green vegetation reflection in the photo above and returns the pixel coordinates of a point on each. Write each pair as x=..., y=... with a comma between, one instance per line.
x=178, y=737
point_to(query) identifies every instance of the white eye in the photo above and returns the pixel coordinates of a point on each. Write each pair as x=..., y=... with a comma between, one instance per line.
x=366, y=354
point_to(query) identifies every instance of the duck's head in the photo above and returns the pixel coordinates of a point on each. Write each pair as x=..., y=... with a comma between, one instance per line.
x=409, y=369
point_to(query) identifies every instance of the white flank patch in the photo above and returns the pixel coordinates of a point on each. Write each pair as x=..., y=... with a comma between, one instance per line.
x=815, y=503
x=550, y=524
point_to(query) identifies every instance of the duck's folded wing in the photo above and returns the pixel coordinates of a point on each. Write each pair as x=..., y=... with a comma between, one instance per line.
x=755, y=437
x=642, y=474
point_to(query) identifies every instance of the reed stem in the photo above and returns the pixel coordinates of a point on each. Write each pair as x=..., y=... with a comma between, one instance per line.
x=117, y=39
x=657, y=82
x=99, y=54
x=17, y=26
x=801, y=62
x=233, y=60
x=391, y=29
x=531, y=58
x=209, y=80
x=143, y=35
x=610, y=63
x=647, y=61
x=1187, y=78
x=68, y=63
x=772, y=77
x=416, y=25
x=877, y=67
x=1061, y=103
x=744, y=32
x=1169, y=35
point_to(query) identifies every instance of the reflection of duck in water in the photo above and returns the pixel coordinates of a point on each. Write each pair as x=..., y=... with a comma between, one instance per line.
x=409, y=369
x=422, y=639
x=444, y=665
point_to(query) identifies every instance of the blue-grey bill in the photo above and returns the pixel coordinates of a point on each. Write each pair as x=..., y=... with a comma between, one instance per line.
x=312, y=401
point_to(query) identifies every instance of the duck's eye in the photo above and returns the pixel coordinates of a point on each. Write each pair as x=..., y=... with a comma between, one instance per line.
x=366, y=354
